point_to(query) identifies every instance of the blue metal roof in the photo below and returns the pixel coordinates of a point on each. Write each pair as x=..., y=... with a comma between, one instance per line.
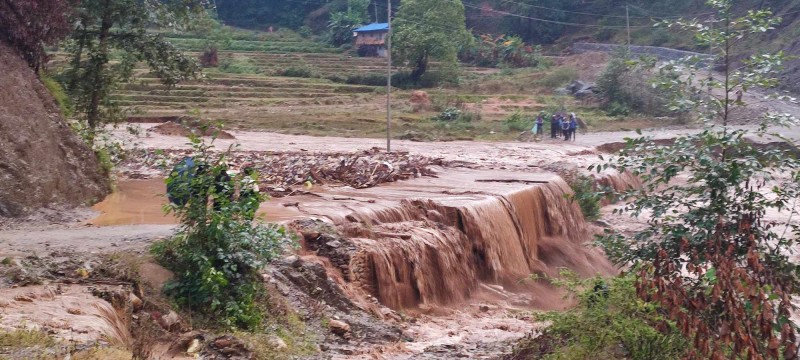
x=373, y=27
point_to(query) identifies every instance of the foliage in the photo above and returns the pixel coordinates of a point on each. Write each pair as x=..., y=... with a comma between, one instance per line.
x=59, y=94
x=502, y=50
x=560, y=76
x=609, y=321
x=709, y=255
x=303, y=71
x=214, y=36
x=217, y=251
x=29, y=24
x=449, y=114
x=105, y=28
x=341, y=26
x=428, y=30
x=518, y=122
x=586, y=194
x=238, y=65
x=626, y=86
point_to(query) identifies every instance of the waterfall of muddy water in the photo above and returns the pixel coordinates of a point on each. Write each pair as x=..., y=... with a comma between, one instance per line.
x=435, y=240
x=137, y=202
x=428, y=240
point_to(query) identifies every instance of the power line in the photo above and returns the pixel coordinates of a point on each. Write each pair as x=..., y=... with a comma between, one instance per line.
x=473, y=6
x=583, y=13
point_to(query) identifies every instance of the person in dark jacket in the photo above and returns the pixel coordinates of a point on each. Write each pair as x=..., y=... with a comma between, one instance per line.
x=565, y=129
x=539, y=124
x=554, y=126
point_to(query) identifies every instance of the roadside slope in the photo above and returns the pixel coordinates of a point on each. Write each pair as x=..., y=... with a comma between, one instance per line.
x=42, y=162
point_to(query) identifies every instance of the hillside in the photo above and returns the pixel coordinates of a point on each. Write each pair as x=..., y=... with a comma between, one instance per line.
x=551, y=23
x=42, y=162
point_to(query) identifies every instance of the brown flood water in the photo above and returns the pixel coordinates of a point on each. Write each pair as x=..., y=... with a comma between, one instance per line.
x=140, y=202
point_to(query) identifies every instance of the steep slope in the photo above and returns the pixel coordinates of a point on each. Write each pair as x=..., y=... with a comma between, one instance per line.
x=42, y=162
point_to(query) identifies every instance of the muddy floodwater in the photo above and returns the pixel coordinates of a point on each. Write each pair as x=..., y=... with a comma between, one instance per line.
x=139, y=202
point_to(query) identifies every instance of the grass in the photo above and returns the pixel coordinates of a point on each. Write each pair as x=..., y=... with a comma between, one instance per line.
x=21, y=339
x=609, y=322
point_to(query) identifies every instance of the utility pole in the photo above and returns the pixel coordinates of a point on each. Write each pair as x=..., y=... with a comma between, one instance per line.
x=628, y=21
x=389, y=76
x=375, y=6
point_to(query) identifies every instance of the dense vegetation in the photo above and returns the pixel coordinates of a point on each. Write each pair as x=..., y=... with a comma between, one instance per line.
x=709, y=277
x=218, y=250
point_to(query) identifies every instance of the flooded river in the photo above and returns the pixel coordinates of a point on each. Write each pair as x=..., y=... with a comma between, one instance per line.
x=141, y=202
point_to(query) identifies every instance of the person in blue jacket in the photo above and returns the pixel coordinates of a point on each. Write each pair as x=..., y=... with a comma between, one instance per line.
x=573, y=126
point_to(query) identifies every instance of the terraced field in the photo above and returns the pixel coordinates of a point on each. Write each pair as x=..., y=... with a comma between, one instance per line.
x=251, y=89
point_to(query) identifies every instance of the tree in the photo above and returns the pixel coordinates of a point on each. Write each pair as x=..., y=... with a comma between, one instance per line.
x=342, y=24
x=29, y=24
x=107, y=30
x=710, y=256
x=428, y=30
x=213, y=34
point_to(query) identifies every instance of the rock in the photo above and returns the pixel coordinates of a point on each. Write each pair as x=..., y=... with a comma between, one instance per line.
x=4, y=303
x=601, y=223
x=334, y=244
x=154, y=275
x=136, y=303
x=23, y=298
x=170, y=321
x=339, y=327
x=194, y=347
x=223, y=342
x=419, y=100
x=484, y=308
x=74, y=311
x=276, y=343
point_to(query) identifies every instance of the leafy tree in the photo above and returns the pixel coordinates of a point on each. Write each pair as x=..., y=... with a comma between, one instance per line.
x=218, y=250
x=710, y=256
x=29, y=24
x=428, y=30
x=341, y=26
x=213, y=34
x=107, y=30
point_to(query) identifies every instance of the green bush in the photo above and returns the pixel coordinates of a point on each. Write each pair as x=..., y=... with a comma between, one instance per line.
x=301, y=71
x=585, y=194
x=237, y=65
x=218, y=250
x=609, y=322
x=449, y=114
x=59, y=94
x=560, y=76
x=518, y=122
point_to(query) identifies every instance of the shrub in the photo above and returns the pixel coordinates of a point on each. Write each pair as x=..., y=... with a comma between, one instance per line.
x=367, y=79
x=218, y=251
x=59, y=94
x=302, y=71
x=518, y=122
x=560, y=76
x=449, y=114
x=610, y=321
x=237, y=65
x=586, y=194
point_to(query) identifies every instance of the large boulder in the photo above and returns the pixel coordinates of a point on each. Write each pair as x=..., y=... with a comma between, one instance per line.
x=42, y=162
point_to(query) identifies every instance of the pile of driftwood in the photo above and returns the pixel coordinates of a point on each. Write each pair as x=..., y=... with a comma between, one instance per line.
x=280, y=172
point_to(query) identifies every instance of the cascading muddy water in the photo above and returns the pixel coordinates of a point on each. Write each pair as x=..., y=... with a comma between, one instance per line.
x=439, y=251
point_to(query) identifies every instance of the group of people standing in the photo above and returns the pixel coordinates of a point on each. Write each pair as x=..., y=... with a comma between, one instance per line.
x=561, y=125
